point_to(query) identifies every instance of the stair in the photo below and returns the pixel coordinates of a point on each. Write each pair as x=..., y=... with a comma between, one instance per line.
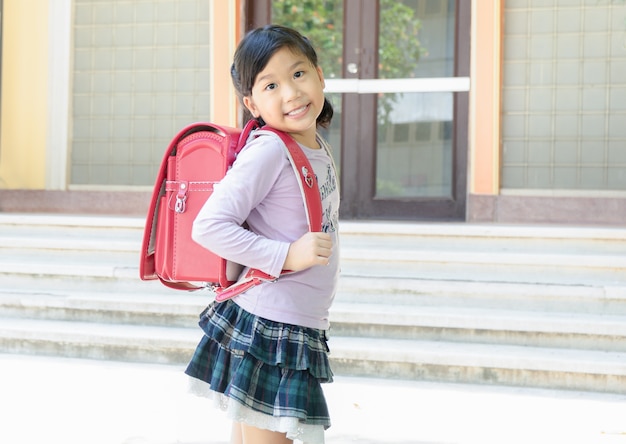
x=484, y=304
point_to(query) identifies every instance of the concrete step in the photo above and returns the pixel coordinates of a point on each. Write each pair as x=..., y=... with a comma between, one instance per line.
x=523, y=238
x=422, y=360
x=441, y=323
x=481, y=326
x=536, y=306
x=549, y=255
x=500, y=253
x=165, y=310
x=100, y=257
x=68, y=232
x=509, y=266
x=600, y=298
x=135, y=343
x=71, y=263
x=377, y=234
x=80, y=276
x=482, y=363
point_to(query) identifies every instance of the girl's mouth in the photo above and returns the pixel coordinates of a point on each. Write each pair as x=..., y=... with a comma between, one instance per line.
x=298, y=111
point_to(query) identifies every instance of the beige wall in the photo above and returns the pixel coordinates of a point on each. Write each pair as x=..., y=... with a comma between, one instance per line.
x=25, y=158
x=485, y=98
x=225, y=29
x=24, y=94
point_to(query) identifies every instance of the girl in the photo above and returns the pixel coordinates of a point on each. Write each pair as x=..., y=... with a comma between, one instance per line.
x=264, y=353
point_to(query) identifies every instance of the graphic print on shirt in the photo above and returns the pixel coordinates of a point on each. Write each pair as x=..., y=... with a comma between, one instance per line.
x=330, y=200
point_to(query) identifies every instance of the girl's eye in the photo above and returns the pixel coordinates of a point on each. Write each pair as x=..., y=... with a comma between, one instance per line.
x=298, y=74
x=271, y=86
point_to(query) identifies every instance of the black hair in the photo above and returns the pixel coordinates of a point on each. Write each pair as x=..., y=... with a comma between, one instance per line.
x=255, y=51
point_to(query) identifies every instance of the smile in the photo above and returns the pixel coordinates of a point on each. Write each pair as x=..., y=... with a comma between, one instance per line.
x=295, y=112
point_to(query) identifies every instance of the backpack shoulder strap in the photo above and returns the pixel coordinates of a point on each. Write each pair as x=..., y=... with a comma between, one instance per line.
x=312, y=203
x=307, y=181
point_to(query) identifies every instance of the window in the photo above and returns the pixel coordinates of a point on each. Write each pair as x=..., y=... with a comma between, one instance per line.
x=564, y=95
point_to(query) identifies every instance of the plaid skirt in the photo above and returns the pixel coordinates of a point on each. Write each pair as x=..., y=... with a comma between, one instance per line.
x=263, y=373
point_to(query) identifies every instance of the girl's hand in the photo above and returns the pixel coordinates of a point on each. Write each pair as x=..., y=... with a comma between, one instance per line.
x=311, y=249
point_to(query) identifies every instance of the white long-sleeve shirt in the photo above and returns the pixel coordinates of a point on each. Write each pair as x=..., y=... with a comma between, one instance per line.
x=261, y=189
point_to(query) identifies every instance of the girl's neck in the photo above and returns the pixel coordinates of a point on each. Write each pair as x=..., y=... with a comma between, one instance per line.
x=308, y=139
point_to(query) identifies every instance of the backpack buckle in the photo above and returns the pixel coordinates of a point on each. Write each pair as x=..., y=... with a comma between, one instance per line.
x=181, y=197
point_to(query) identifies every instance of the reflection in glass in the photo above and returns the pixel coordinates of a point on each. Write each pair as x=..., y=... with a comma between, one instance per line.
x=414, y=149
x=419, y=39
x=414, y=131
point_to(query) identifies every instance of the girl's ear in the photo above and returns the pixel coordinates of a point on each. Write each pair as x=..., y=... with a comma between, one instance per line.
x=249, y=103
x=320, y=74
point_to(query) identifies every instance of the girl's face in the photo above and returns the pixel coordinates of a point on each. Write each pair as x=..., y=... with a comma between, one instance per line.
x=289, y=95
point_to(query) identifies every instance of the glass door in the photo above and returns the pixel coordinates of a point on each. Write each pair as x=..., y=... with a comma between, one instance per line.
x=397, y=75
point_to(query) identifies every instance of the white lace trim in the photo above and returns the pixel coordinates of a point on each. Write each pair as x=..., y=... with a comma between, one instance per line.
x=304, y=433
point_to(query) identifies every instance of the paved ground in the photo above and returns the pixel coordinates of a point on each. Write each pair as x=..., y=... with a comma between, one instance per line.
x=67, y=401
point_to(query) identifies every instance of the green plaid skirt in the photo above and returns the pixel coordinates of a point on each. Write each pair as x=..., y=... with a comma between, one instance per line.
x=268, y=367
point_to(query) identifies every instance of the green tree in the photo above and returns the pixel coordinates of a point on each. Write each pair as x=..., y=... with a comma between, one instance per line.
x=399, y=48
x=321, y=21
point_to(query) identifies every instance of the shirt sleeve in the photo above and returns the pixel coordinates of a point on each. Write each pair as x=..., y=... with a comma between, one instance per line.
x=219, y=224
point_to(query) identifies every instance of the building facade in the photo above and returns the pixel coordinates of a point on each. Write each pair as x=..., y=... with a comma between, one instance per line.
x=445, y=110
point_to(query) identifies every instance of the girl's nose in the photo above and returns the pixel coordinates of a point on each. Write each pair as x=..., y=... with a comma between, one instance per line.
x=291, y=91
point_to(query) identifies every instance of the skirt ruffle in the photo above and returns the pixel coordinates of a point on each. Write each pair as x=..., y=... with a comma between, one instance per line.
x=272, y=370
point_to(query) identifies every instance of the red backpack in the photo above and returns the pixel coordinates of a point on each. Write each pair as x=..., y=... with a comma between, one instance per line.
x=196, y=159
